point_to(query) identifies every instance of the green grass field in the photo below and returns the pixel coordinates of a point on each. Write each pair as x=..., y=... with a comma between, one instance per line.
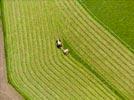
x=115, y=14
x=98, y=67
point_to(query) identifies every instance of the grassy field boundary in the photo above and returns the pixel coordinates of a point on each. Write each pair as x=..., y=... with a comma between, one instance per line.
x=5, y=44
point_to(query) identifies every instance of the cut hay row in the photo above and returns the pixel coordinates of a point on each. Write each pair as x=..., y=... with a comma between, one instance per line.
x=35, y=67
x=101, y=47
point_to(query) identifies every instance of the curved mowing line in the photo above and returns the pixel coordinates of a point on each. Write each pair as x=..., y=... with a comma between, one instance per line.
x=117, y=63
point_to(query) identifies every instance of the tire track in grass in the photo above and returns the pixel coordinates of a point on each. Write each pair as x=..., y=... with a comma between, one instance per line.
x=106, y=34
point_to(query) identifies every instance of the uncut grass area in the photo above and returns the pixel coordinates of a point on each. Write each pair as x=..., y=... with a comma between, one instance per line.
x=117, y=15
x=98, y=66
